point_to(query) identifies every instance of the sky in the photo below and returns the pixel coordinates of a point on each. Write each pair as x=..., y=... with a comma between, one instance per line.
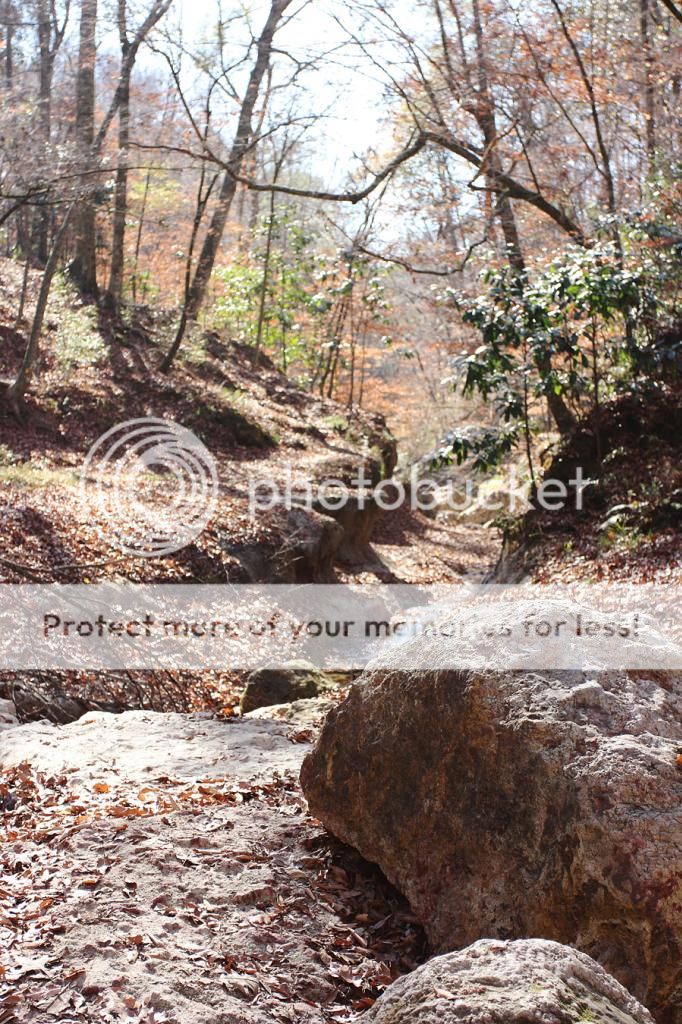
x=352, y=98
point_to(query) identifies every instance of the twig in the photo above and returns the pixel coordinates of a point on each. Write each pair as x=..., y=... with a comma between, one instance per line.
x=31, y=571
x=25, y=570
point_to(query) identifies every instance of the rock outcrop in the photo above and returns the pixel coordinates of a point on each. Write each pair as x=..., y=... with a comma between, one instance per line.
x=8, y=715
x=305, y=714
x=531, y=981
x=513, y=804
x=297, y=680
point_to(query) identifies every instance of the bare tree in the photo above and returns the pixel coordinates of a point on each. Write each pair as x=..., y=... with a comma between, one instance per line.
x=242, y=141
x=8, y=19
x=84, y=265
x=205, y=187
x=50, y=38
x=71, y=186
x=15, y=392
x=605, y=168
x=129, y=50
x=645, y=25
x=486, y=116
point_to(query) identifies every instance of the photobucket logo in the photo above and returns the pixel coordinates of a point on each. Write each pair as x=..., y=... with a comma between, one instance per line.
x=418, y=493
x=151, y=484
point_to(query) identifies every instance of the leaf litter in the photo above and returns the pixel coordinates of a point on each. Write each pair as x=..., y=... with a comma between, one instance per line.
x=175, y=895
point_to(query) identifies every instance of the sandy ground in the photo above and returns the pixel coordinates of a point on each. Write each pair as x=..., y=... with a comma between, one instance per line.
x=162, y=868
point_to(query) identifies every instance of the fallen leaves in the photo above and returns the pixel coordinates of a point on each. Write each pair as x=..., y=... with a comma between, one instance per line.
x=313, y=933
x=325, y=899
x=42, y=818
x=242, y=984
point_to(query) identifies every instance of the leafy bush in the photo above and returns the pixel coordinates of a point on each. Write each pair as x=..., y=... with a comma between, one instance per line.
x=572, y=334
x=78, y=341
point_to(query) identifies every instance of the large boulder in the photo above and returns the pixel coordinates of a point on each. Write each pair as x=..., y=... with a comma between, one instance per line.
x=511, y=804
x=531, y=981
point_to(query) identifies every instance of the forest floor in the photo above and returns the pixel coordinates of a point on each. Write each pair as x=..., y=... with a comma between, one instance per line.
x=629, y=529
x=259, y=426
x=162, y=868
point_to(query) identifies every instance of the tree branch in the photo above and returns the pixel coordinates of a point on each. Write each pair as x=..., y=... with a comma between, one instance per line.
x=158, y=10
x=399, y=261
x=673, y=8
x=504, y=183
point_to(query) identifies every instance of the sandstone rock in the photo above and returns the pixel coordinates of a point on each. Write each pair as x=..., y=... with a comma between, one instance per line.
x=198, y=883
x=530, y=981
x=349, y=467
x=311, y=549
x=8, y=715
x=357, y=516
x=514, y=804
x=298, y=680
x=306, y=714
x=137, y=747
x=307, y=553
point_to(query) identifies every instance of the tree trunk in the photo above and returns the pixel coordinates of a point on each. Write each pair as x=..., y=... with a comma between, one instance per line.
x=562, y=415
x=140, y=229
x=203, y=196
x=129, y=50
x=9, y=17
x=606, y=169
x=14, y=394
x=42, y=229
x=649, y=82
x=264, y=287
x=241, y=143
x=115, y=290
x=84, y=265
